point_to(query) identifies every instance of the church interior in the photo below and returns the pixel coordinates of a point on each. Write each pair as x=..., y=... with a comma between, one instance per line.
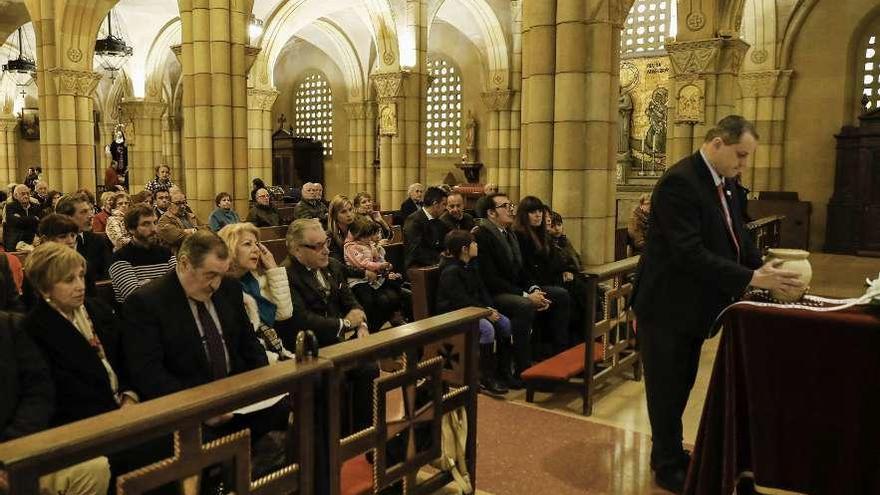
x=584, y=104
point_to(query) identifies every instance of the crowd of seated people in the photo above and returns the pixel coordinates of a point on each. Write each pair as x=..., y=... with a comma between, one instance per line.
x=192, y=303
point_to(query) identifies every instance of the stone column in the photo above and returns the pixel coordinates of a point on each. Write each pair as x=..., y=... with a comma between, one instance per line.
x=66, y=122
x=145, y=142
x=370, y=149
x=8, y=155
x=509, y=163
x=538, y=75
x=393, y=128
x=171, y=148
x=260, y=102
x=214, y=61
x=359, y=162
x=764, y=95
x=496, y=160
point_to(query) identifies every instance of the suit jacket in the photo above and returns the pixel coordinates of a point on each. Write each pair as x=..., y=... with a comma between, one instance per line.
x=164, y=349
x=264, y=216
x=452, y=223
x=171, y=230
x=423, y=240
x=314, y=308
x=26, y=391
x=20, y=225
x=96, y=250
x=500, y=267
x=82, y=386
x=689, y=270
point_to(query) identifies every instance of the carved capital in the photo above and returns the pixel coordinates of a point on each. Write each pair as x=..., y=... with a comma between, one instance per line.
x=498, y=100
x=8, y=123
x=389, y=85
x=74, y=82
x=178, y=52
x=262, y=99
x=765, y=83
x=693, y=57
x=356, y=109
x=142, y=109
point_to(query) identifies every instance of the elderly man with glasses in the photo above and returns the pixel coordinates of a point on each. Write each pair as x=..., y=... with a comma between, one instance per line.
x=178, y=222
x=263, y=214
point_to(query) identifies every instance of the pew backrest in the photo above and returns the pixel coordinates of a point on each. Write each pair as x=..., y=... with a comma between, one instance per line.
x=424, y=290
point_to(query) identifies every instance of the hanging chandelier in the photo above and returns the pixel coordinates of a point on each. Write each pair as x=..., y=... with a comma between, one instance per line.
x=22, y=68
x=111, y=51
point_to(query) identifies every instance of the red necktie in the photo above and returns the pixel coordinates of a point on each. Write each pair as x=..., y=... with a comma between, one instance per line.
x=729, y=220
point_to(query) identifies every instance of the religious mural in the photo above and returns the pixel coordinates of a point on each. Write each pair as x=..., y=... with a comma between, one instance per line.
x=643, y=104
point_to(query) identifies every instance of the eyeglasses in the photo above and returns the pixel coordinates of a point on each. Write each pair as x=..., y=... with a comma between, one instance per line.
x=508, y=205
x=319, y=246
x=179, y=203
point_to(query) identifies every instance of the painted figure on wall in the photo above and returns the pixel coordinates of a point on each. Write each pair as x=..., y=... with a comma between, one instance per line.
x=655, y=137
x=624, y=121
x=118, y=150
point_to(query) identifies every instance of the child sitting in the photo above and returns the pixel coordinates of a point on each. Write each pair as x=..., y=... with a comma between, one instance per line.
x=383, y=298
x=460, y=286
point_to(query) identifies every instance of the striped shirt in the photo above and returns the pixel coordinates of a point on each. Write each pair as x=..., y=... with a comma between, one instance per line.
x=136, y=264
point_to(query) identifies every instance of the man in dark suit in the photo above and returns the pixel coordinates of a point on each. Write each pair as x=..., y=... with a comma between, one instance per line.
x=324, y=304
x=93, y=247
x=411, y=204
x=513, y=292
x=423, y=232
x=698, y=258
x=189, y=327
x=22, y=218
x=455, y=218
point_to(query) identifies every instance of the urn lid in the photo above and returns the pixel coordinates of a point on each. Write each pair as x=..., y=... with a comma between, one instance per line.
x=788, y=254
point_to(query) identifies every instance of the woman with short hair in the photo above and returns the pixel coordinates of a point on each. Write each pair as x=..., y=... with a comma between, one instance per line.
x=117, y=233
x=363, y=205
x=264, y=284
x=223, y=215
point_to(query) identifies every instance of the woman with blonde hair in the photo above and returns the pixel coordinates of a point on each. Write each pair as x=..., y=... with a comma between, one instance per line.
x=363, y=205
x=264, y=284
x=117, y=233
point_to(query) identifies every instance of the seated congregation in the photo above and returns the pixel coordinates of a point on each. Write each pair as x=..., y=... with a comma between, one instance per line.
x=107, y=305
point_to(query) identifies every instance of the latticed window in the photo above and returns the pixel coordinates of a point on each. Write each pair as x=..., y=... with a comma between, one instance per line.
x=647, y=26
x=444, y=109
x=871, y=73
x=314, y=110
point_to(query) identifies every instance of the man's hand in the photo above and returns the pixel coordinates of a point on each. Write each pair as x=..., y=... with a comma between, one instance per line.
x=363, y=331
x=357, y=317
x=567, y=276
x=126, y=401
x=770, y=276
x=538, y=300
x=495, y=316
x=4, y=481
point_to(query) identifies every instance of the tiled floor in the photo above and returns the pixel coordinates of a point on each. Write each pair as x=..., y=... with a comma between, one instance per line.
x=622, y=407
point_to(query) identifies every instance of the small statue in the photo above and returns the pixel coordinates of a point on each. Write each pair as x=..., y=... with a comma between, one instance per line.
x=470, y=137
x=624, y=122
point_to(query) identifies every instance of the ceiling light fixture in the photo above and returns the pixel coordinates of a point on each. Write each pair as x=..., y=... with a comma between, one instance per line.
x=112, y=52
x=22, y=69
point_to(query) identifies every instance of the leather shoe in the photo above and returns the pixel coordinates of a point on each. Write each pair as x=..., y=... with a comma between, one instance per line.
x=492, y=386
x=671, y=479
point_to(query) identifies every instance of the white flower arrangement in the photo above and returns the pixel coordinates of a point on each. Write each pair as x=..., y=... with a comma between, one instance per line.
x=872, y=295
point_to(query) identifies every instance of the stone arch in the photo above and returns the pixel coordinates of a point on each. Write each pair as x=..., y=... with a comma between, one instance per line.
x=76, y=24
x=759, y=31
x=494, y=41
x=798, y=17
x=869, y=22
x=158, y=58
x=348, y=63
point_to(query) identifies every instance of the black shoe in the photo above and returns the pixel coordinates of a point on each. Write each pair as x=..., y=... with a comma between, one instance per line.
x=671, y=479
x=514, y=383
x=492, y=386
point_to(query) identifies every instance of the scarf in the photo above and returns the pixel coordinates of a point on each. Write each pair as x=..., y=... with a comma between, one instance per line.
x=265, y=307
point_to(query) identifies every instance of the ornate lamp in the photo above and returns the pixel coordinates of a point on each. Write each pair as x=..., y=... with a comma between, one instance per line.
x=22, y=68
x=111, y=51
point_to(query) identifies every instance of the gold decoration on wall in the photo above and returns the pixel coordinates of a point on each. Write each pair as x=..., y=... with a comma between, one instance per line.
x=75, y=82
x=388, y=118
x=691, y=101
x=759, y=56
x=497, y=100
x=696, y=21
x=389, y=85
x=693, y=57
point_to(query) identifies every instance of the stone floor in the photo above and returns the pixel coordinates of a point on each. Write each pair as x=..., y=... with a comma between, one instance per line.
x=620, y=407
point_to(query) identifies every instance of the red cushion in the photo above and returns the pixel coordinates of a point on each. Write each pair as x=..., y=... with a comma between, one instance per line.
x=357, y=476
x=563, y=366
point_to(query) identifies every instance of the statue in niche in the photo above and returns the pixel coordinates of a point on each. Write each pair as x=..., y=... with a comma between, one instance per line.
x=624, y=122
x=388, y=119
x=118, y=150
x=655, y=137
x=470, y=137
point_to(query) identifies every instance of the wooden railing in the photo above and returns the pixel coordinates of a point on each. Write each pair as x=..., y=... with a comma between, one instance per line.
x=440, y=356
x=611, y=338
x=442, y=350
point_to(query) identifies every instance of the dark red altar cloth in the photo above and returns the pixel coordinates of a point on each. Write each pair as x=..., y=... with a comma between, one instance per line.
x=793, y=402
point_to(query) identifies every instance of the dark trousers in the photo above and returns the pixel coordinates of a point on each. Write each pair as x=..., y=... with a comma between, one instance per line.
x=523, y=316
x=381, y=303
x=671, y=359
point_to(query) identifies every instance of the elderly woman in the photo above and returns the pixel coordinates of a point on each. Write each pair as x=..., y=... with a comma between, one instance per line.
x=363, y=205
x=117, y=233
x=80, y=339
x=162, y=181
x=223, y=215
x=264, y=283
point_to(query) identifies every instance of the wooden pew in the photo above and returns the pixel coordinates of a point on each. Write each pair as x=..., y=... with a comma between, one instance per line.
x=396, y=234
x=424, y=290
x=269, y=233
x=394, y=254
x=286, y=214
x=278, y=248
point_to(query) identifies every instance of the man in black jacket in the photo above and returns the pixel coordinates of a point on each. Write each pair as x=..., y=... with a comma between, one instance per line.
x=423, y=232
x=698, y=258
x=263, y=214
x=22, y=219
x=455, y=218
x=513, y=292
x=95, y=248
x=324, y=304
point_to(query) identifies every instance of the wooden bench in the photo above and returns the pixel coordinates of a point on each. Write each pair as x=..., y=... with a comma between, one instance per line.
x=278, y=248
x=424, y=290
x=269, y=233
x=612, y=340
x=286, y=214
x=396, y=234
x=394, y=254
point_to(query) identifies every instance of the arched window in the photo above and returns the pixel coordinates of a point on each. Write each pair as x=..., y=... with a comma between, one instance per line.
x=647, y=26
x=313, y=104
x=871, y=71
x=444, y=109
